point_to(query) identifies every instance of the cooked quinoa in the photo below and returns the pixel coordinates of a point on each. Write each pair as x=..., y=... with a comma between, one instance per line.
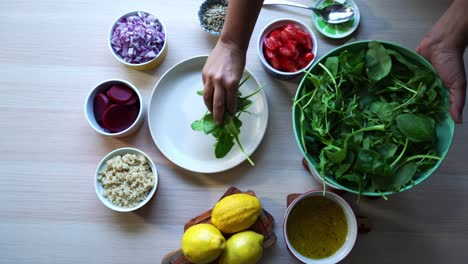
x=126, y=180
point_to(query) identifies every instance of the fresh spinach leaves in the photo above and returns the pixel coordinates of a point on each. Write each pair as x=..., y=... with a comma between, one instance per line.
x=227, y=134
x=368, y=118
x=378, y=62
x=416, y=128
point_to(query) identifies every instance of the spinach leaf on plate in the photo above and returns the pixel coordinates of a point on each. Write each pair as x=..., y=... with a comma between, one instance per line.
x=227, y=134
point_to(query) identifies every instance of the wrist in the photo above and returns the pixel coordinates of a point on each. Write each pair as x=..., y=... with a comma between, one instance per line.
x=233, y=46
x=457, y=24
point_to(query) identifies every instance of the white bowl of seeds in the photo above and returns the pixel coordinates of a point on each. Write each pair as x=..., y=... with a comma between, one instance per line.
x=211, y=16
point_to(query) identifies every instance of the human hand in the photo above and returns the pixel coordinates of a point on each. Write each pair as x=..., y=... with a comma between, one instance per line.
x=448, y=63
x=221, y=75
x=444, y=49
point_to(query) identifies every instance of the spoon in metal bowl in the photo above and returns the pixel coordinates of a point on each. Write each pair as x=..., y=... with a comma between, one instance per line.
x=334, y=14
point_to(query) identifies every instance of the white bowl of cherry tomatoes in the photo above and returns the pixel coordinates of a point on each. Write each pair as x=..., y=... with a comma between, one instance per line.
x=114, y=108
x=287, y=47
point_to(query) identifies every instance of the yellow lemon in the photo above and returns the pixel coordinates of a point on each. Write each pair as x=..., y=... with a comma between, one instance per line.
x=202, y=243
x=236, y=212
x=243, y=248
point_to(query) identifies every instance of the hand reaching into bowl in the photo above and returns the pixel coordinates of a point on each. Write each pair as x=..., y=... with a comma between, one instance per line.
x=444, y=46
x=225, y=65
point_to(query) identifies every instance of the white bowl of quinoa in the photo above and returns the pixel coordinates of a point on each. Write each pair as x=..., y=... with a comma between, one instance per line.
x=125, y=179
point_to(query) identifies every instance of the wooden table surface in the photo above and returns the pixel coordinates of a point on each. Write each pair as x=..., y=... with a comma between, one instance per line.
x=53, y=52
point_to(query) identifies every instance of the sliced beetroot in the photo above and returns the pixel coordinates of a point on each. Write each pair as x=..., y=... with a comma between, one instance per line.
x=119, y=117
x=101, y=102
x=120, y=94
x=133, y=100
x=104, y=128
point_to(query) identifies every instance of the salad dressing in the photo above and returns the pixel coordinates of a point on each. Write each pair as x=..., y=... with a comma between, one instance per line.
x=317, y=227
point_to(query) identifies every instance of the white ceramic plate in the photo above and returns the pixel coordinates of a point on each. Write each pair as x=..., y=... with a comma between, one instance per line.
x=175, y=104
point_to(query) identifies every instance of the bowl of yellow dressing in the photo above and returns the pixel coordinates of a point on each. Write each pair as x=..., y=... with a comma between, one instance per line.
x=319, y=228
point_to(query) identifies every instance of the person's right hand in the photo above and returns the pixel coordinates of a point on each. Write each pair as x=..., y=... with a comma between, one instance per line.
x=444, y=46
x=221, y=75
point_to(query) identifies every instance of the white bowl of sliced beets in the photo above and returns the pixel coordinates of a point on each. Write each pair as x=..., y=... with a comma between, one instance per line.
x=114, y=108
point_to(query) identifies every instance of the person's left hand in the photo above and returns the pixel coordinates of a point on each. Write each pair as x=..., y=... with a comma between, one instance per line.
x=221, y=75
x=448, y=62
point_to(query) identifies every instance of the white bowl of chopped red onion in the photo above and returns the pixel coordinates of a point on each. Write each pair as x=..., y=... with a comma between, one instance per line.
x=138, y=40
x=114, y=108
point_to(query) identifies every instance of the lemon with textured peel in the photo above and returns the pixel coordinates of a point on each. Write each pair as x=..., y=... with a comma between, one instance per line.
x=236, y=212
x=202, y=243
x=243, y=248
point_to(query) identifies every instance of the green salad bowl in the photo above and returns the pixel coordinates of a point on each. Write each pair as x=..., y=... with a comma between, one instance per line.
x=444, y=126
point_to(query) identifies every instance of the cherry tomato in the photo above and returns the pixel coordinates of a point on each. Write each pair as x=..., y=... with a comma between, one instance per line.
x=269, y=53
x=271, y=43
x=302, y=36
x=275, y=63
x=309, y=56
x=275, y=33
x=288, y=48
x=292, y=46
x=290, y=31
x=308, y=43
x=288, y=64
x=302, y=62
x=286, y=51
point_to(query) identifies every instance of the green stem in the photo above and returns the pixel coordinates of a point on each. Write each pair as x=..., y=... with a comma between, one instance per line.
x=371, y=128
x=399, y=156
x=302, y=97
x=422, y=157
x=322, y=171
x=303, y=131
x=243, y=151
x=311, y=98
x=404, y=86
x=253, y=93
x=408, y=102
x=243, y=81
x=329, y=74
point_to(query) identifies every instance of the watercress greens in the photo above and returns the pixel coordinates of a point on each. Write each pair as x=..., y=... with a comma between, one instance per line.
x=226, y=134
x=368, y=119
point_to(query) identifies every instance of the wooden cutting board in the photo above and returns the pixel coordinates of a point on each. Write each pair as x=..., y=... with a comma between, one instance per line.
x=263, y=225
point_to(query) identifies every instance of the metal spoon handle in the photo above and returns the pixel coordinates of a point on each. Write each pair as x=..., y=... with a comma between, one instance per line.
x=287, y=3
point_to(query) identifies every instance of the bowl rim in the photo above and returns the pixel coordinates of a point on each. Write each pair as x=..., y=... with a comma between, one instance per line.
x=264, y=33
x=336, y=184
x=120, y=59
x=90, y=114
x=351, y=236
x=110, y=155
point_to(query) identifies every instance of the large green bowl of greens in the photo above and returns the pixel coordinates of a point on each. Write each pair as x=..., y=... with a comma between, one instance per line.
x=371, y=118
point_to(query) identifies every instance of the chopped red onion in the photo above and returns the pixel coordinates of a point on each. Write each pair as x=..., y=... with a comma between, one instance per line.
x=138, y=38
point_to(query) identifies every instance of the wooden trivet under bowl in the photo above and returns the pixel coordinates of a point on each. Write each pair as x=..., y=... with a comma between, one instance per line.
x=263, y=225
